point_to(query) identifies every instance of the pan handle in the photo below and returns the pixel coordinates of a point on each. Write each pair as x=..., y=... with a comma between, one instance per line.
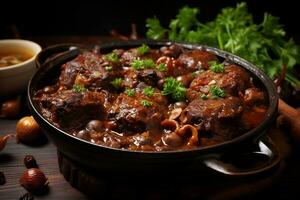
x=264, y=159
x=50, y=53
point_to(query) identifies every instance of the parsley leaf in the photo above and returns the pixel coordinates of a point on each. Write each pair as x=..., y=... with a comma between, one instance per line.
x=142, y=64
x=109, y=68
x=129, y=92
x=148, y=91
x=162, y=67
x=216, y=91
x=155, y=30
x=174, y=88
x=217, y=67
x=117, y=83
x=112, y=57
x=146, y=103
x=143, y=49
x=204, y=96
x=79, y=88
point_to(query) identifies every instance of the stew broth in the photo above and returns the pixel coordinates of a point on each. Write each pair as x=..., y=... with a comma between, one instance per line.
x=8, y=58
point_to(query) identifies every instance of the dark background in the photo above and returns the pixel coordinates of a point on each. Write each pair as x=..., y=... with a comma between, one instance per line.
x=40, y=18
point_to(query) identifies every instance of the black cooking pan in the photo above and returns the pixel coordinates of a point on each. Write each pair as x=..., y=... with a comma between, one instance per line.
x=227, y=158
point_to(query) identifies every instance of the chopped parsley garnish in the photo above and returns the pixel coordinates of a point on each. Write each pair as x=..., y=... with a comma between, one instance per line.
x=79, y=88
x=142, y=64
x=117, y=83
x=146, y=103
x=109, y=68
x=216, y=67
x=204, y=96
x=216, y=91
x=112, y=57
x=174, y=88
x=130, y=92
x=148, y=91
x=143, y=49
x=162, y=67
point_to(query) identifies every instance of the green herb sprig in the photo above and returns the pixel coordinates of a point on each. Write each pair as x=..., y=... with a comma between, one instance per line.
x=146, y=103
x=130, y=92
x=112, y=57
x=142, y=64
x=143, y=49
x=117, y=83
x=216, y=67
x=216, y=91
x=148, y=91
x=174, y=88
x=79, y=88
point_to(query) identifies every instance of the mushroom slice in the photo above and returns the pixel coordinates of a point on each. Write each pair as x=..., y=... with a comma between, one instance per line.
x=189, y=131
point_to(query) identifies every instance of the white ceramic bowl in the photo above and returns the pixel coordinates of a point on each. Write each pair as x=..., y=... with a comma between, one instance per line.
x=14, y=78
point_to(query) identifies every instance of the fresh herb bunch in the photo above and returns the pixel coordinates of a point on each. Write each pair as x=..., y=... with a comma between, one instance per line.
x=233, y=30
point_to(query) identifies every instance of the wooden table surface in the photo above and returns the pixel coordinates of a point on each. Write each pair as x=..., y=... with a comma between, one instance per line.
x=283, y=185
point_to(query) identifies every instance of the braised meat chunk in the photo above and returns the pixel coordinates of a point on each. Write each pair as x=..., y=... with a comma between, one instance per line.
x=214, y=115
x=196, y=59
x=136, y=112
x=232, y=80
x=69, y=109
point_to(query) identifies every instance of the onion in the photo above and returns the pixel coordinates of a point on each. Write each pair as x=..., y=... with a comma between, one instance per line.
x=28, y=130
x=33, y=180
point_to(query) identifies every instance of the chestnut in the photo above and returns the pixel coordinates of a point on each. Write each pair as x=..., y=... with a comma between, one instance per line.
x=33, y=180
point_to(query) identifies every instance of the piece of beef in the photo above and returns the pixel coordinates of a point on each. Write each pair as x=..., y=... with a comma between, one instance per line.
x=218, y=116
x=173, y=66
x=196, y=59
x=89, y=70
x=234, y=80
x=132, y=116
x=132, y=54
x=132, y=77
x=69, y=109
x=253, y=95
x=171, y=51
